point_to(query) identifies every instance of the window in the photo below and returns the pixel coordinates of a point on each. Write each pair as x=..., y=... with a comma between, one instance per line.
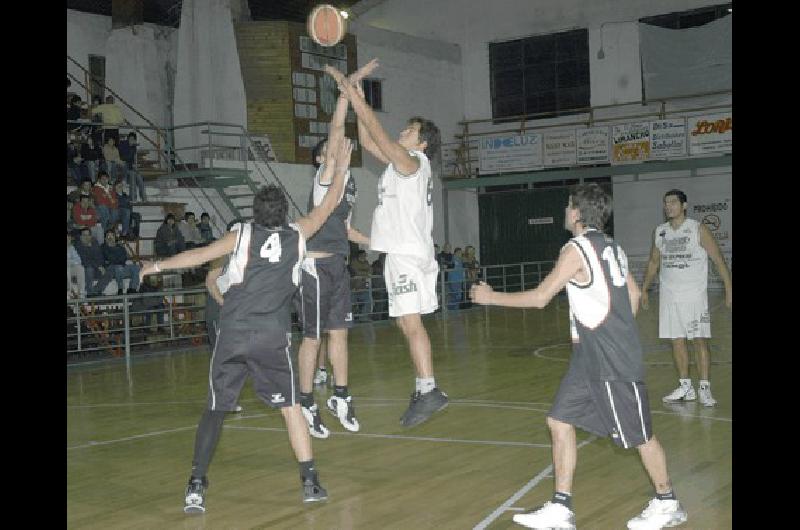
x=373, y=93
x=689, y=19
x=543, y=74
x=97, y=71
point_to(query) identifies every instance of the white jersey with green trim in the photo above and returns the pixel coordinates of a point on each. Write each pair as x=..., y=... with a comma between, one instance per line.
x=402, y=223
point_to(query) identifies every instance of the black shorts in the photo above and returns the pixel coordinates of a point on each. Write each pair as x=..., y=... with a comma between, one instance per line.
x=325, y=296
x=263, y=354
x=619, y=409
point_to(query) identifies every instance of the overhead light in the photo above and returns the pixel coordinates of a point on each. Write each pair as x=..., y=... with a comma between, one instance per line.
x=344, y=14
x=730, y=10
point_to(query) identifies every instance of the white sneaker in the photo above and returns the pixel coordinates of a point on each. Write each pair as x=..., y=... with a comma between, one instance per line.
x=682, y=393
x=321, y=377
x=551, y=515
x=704, y=396
x=343, y=409
x=237, y=408
x=315, y=426
x=659, y=514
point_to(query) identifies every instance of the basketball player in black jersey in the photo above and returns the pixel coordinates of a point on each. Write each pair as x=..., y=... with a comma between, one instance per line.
x=254, y=338
x=603, y=391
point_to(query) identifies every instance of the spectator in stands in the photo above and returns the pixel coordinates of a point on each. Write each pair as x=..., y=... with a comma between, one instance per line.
x=446, y=257
x=169, y=240
x=114, y=164
x=455, y=280
x=76, y=276
x=120, y=264
x=97, y=130
x=91, y=156
x=189, y=231
x=111, y=116
x=470, y=270
x=360, y=272
x=85, y=188
x=85, y=216
x=124, y=207
x=127, y=152
x=205, y=228
x=74, y=109
x=74, y=160
x=380, y=310
x=97, y=275
x=105, y=201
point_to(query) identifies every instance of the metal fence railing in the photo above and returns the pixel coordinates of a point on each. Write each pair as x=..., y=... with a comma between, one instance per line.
x=129, y=324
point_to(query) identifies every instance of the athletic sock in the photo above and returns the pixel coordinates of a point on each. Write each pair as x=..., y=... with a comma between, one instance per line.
x=704, y=383
x=685, y=382
x=306, y=400
x=668, y=496
x=307, y=470
x=562, y=498
x=426, y=384
x=340, y=391
x=205, y=440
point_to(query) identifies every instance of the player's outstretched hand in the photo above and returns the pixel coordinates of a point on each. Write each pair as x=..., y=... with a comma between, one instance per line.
x=480, y=293
x=147, y=268
x=336, y=75
x=645, y=300
x=356, y=77
x=342, y=155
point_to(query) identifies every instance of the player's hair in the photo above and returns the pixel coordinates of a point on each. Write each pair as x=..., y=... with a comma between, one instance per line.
x=678, y=193
x=593, y=203
x=270, y=206
x=317, y=152
x=429, y=133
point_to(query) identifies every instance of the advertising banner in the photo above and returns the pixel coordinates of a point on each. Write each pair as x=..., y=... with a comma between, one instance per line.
x=630, y=142
x=592, y=145
x=710, y=134
x=510, y=152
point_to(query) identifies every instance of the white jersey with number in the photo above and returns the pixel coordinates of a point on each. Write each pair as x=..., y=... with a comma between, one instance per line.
x=402, y=223
x=684, y=262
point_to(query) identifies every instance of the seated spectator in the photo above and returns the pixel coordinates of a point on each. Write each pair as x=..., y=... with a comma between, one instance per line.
x=111, y=116
x=189, y=231
x=85, y=216
x=76, y=276
x=84, y=188
x=105, y=201
x=97, y=130
x=74, y=160
x=361, y=270
x=124, y=208
x=471, y=269
x=97, y=275
x=91, y=157
x=205, y=228
x=113, y=163
x=74, y=108
x=169, y=240
x=127, y=152
x=120, y=264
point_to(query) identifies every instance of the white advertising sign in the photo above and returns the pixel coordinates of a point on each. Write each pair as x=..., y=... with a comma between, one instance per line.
x=667, y=139
x=630, y=143
x=710, y=134
x=592, y=145
x=560, y=148
x=510, y=152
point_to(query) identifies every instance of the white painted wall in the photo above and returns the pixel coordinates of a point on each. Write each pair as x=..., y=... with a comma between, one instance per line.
x=209, y=85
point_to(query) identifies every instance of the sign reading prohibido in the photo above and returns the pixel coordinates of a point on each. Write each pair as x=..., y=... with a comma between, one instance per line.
x=630, y=142
x=510, y=152
x=710, y=134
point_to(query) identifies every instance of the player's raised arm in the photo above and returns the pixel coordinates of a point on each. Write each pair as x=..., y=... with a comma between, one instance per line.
x=634, y=294
x=711, y=247
x=569, y=264
x=334, y=138
x=316, y=217
x=191, y=258
x=652, y=268
x=396, y=153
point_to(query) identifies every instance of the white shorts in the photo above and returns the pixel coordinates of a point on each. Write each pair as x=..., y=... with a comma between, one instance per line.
x=411, y=284
x=683, y=316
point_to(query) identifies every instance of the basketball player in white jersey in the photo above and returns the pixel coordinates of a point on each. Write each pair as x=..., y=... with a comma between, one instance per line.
x=603, y=391
x=254, y=335
x=402, y=226
x=325, y=305
x=681, y=247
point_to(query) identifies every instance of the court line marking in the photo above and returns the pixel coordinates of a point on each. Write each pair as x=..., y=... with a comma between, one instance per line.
x=522, y=491
x=92, y=443
x=538, y=353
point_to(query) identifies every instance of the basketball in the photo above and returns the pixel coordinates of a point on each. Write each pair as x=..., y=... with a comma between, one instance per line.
x=326, y=25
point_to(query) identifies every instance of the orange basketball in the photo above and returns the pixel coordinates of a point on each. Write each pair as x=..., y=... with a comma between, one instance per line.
x=326, y=25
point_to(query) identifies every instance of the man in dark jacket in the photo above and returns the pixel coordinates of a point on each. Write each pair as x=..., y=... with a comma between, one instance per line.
x=94, y=264
x=117, y=259
x=127, y=152
x=169, y=240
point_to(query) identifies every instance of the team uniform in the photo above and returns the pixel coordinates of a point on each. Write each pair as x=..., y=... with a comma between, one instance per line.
x=683, y=282
x=603, y=391
x=402, y=226
x=254, y=335
x=325, y=292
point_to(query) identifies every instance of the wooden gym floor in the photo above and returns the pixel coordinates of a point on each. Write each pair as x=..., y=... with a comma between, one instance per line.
x=131, y=428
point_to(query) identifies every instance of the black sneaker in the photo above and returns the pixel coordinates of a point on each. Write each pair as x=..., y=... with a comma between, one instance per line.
x=422, y=406
x=312, y=491
x=196, y=495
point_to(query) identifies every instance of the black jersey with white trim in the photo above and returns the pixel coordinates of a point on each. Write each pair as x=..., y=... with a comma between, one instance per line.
x=605, y=337
x=270, y=280
x=332, y=235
